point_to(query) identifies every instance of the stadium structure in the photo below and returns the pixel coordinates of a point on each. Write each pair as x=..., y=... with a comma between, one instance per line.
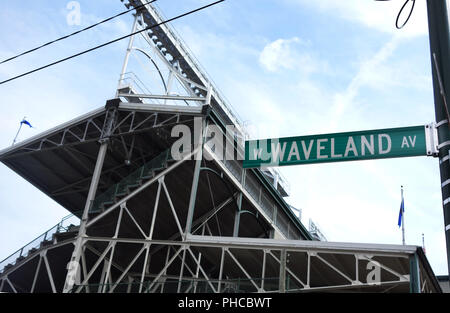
x=143, y=221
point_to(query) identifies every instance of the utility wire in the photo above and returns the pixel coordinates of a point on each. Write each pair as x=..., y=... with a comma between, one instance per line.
x=400, y=13
x=75, y=33
x=110, y=42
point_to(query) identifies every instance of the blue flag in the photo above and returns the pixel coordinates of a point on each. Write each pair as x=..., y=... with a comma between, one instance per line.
x=24, y=121
x=402, y=210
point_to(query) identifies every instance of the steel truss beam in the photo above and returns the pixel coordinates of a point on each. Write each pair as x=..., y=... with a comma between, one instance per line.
x=89, y=128
x=230, y=248
x=180, y=54
x=140, y=189
x=265, y=246
x=216, y=261
x=33, y=255
x=174, y=68
x=240, y=187
x=185, y=246
x=268, y=253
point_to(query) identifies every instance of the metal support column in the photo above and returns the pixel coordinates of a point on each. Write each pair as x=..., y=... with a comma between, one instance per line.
x=282, y=280
x=75, y=260
x=440, y=64
x=263, y=270
x=414, y=276
x=127, y=56
x=169, y=85
x=74, y=265
x=180, y=278
x=237, y=217
x=198, y=163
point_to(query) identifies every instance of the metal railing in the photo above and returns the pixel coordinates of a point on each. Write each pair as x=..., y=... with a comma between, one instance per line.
x=259, y=193
x=130, y=79
x=281, y=179
x=314, y=230
x=65, y=225
x=189, y=55
x=225, y=105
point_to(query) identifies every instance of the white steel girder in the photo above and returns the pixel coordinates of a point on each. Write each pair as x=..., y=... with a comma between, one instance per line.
x=267, y=247
x=196, y=249
x=231, y=249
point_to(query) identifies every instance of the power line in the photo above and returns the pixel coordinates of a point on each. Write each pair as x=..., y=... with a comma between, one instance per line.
x=400, y=13
x=75, y=33
x=110, y=42
x=397, y=24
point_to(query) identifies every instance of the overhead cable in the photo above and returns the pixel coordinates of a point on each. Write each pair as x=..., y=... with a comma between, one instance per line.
x=109, y=42
x=75, y=33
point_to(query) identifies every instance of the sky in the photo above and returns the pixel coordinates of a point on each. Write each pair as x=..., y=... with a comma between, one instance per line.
x=287, y=67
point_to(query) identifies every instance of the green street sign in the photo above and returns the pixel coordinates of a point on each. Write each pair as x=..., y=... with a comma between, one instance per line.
x=349, y=146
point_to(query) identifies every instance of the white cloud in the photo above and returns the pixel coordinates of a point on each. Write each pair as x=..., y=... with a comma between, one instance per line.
x=269, y=119
x=367, y=75
x=289, y=54
x=278, y=54
x=378, y=15
x=377, y=72
x=205, y=44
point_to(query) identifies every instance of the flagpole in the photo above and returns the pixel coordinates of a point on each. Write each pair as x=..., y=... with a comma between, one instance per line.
x=403, y=219
x=20, y=127
x=423, y=243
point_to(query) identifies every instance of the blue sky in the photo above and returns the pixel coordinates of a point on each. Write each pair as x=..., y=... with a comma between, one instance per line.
x=288, y=68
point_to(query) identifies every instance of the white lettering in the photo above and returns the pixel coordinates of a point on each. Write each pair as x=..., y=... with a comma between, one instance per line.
x=405, y=142
x=380, y=144
x=320, y=148
x=294, y=151
x=246, y=302
x=74, y=16
x=216, y=142
x=198, y=303
x=257, y=154
x=374, y=276
x=350, y=147
x=333, y=155
x=413, y=141
x=278, y=152
x=366, y=144
x=307, y=152
x=182, y=146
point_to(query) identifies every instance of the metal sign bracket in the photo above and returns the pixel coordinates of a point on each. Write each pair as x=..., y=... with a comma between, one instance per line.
x=432, y=141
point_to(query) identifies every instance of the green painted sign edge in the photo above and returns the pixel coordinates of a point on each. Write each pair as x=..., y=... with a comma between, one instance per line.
x=257, y=163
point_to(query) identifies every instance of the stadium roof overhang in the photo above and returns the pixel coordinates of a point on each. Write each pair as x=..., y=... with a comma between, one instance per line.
x=317, y=266
x=60, y=161
x=261, y=265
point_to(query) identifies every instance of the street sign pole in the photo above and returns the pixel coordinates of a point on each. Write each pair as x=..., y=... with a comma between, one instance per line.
x=440, y=63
